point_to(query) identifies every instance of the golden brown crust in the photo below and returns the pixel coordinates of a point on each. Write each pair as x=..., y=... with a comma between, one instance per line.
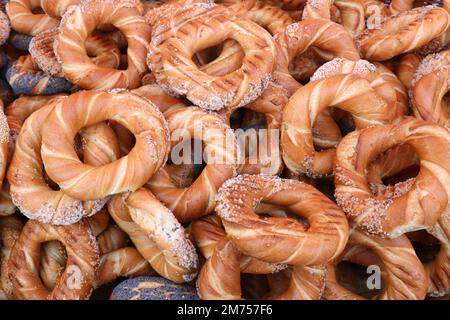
x=221, y=151
x=219, y=278
x=29, y=188
x=400, y=33
x=170, y=61
x=429, y=87
x=77, y=65
x=162, y=254
x=405, y=276
x=298, y=37
x=127, y=173
x=23, y=20
x=77, y=280
x=281, y=240
x=410, y=205
x=345, y=91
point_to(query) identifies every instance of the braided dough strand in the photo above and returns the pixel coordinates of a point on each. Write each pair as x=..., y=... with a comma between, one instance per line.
x=281, y=240
x=82, y=261
x=128, y=173
x=71, y=52
x=405, y=276
x=410, y=205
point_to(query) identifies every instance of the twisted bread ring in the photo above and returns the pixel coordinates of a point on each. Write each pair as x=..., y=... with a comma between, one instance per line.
x=171, y=63
x=406, y=278
x=20, y=109
x=70, y=48
x=221, y=153
x=102, y=50
x=298, y=37
x=10, y=228
x=402, y=33
x=407, y=206
x=56, y=9
x=381, y=79
x=208, y=232
x=78, y=277
x=165, y=254
x=29, y=190
x=23, y=20
x=429, y=87
x=281, y=240
x=348, y=92
x=130, y=172
x=54, y=256
x=25, y=77
x=219, y=278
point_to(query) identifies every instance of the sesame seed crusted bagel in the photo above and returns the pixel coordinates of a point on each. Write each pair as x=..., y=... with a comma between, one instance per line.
x=127, y=173
x=23, y=20
x=281, y=240
x=102, y=50
x=171, y=63
x=409, y=205
x=82, y=262
x=72, y=54
x=400, y=33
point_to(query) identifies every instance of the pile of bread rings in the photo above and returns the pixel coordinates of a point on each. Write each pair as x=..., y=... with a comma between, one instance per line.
x=93, y=92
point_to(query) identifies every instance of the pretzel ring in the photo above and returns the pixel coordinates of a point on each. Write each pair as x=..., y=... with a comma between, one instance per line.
x=146, y=220
x=208, y=232
x=402, y=33
x=219, y=278
x=153, y=288
x=56, y=9
x=70, y=49
x=407, y=68
x=130, y=172
x=271, y=240
x=23, y=20
x=409, y=205
x=5, y=27
x=221, y=147
x=175, y=71
x=348, y=92
x=300, y=36
x=23, y=265
x=429, y=88
x=102, y=50
x=406, y=278
x=25, y=77
x=29, y=190
x=10, y=228
x=381, y=79
x=54, y=256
